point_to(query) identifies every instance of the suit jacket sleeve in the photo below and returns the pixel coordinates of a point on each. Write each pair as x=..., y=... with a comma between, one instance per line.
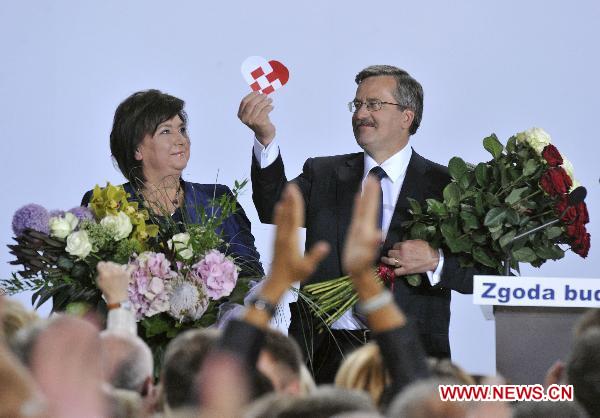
x=268, y=184
x=403, y=357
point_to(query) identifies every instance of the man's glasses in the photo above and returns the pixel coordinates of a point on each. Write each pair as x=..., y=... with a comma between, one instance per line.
x=373, y=105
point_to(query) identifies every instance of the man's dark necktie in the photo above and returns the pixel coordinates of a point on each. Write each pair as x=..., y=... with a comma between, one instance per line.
x=380, y=174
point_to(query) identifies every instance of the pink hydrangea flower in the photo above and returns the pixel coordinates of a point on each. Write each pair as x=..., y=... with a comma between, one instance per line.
x=218, y=273
x=150, y=284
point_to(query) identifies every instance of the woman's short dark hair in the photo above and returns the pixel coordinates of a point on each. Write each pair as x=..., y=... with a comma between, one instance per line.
x=137, y=116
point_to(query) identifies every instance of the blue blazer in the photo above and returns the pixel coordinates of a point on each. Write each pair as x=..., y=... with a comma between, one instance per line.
x=235, y=230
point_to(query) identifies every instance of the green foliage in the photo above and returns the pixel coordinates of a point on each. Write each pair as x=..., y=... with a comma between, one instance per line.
x=484, y=207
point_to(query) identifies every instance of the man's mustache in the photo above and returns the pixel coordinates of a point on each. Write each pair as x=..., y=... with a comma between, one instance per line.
x=364, y=122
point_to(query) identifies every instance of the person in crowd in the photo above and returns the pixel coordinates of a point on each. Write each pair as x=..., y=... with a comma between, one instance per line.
x=583, y=370
x=401, y=349
x=548, y=409
x=386, y=112
x=363, y=369
x=182, y=362
x=280, y=360
x=16, y=317
x=149, y=142
x=128, y=362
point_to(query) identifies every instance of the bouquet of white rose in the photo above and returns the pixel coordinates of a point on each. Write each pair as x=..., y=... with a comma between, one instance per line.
x=178, y=281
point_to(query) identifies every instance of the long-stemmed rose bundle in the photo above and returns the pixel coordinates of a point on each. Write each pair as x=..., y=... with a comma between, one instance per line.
x=178, y=280
x=484, y=207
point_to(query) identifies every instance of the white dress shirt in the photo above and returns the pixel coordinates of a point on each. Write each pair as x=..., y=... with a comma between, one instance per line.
x=395, y=167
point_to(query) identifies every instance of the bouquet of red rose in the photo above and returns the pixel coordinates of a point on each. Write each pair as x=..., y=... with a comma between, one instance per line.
x=484, y=207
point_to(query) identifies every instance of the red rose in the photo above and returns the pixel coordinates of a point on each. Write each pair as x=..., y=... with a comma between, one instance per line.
x=570, y=212
x=386, y=273
x=552, y=156
x=581, y=246
x=582, y=213
x=576, y=230
x=555, y=181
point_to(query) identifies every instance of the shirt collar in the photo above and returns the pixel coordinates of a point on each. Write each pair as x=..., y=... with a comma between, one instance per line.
x=395, y=166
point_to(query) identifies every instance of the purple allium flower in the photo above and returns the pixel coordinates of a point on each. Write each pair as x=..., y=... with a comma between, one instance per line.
x=218, y=272
x=56, y=213
x=150, y=284
x=188, y=300
x=31, y=216
x=82, y=213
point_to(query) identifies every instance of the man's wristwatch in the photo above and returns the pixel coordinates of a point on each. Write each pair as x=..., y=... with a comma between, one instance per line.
x=125, y=304
x=261, y=304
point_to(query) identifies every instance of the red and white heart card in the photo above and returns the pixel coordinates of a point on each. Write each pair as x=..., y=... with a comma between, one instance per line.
x=264, y=76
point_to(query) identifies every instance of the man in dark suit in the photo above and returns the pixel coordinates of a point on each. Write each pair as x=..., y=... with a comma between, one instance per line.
x=387, y=110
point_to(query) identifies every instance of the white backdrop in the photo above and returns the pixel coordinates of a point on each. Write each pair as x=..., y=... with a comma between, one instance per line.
x=496, y=66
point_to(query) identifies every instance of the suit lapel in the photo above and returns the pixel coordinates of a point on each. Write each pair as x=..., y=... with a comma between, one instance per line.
x=413, y=187
x=348, y=177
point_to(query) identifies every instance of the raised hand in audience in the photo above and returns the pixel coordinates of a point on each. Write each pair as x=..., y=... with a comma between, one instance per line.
x=289, y=263
x=113, y=280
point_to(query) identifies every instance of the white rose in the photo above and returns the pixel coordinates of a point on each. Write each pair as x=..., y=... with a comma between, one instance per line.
x=181, y=242
x=536, y=138
x=62, y=226
x=119, y=225
x=78, y=244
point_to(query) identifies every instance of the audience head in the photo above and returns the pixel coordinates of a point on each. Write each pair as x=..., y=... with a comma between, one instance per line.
x=280, y=360
x=137, y=118
x=128, y=362
x=591, y=319
x=548, y=409
x=24, y=340
x=183, y=359
x=583, y=370
x=15, y=316
x=363, y=369
x=445, y=369
x=324, y=402
x=422, y=400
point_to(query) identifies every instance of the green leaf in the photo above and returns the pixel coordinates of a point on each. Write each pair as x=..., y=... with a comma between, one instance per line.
x=481, y=174
x=436, y=207
x=414, y=279
x=459, y=245
x=449, y=230
x=491, y=199
x=415, y=206
x=470, y=221
x=452, y=194
x=511, y=144
x=553, y=232
x=550, y=253
x=515, y=195
x=419, y=231
x=493, y=146
x=457, y=167
x=525, y=255
x=495, y=217
x=512, y=217
x=482, y=257
x=507, y=238
x=479, y=208
x=529, y=167
x=155, y=325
